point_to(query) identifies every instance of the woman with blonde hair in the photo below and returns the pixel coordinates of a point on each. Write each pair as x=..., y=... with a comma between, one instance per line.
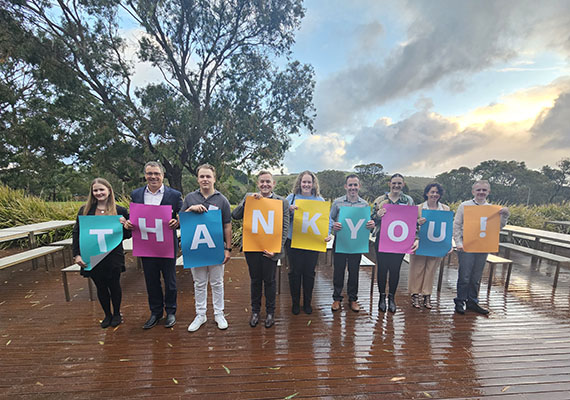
x=106, y=274
x=302, y=262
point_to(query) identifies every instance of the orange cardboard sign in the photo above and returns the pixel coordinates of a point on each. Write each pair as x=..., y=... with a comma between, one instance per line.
x=262, y=224
x=481, y=227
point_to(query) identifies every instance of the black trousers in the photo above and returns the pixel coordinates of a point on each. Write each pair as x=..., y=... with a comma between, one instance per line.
x=262, y=274
x=340, y=261
x=388, y=263
x=301, y=273
x=109, y=290
x=158, y=302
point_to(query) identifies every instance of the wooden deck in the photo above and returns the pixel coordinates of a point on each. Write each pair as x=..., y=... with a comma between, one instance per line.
x=53, y=349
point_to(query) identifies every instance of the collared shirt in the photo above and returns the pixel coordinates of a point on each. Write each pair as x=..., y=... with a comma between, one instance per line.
x=458, y=220
x=213, y=202
x=153, y=199
x=343, y=202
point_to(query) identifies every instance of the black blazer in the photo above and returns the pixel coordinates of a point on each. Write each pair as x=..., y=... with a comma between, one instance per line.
x=171, y=197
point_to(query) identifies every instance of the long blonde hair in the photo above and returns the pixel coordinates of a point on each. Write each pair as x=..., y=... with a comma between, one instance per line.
x=314, y=190
x=111, y=208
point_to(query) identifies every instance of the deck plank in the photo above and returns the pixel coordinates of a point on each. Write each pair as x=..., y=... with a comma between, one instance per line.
x=54, y=349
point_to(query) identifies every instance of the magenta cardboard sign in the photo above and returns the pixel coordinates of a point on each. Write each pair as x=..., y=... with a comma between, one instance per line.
x=398, y=229
x=151, y=235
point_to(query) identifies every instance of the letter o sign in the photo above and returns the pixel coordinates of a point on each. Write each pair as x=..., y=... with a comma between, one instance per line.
x=392, y=231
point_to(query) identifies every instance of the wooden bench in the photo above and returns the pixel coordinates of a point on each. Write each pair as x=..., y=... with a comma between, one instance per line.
x=558, y=260
x=66, y=243
x=29, y=255
x=73, y=268
x=492, y=260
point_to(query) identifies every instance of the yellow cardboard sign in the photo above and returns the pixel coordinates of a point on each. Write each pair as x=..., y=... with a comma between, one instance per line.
x=262, y=224
x=310, y=225
x=481, y=227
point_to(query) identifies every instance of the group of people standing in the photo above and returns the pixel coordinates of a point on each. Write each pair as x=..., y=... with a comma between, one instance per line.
x=262, y=265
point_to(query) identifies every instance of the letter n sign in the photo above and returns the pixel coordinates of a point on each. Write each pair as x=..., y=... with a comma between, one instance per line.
x=262, y=224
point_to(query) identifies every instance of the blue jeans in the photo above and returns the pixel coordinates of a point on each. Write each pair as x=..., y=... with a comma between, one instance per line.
x=469, y=276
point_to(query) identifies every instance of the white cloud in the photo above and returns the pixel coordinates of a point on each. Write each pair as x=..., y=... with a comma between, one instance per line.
x=529, y=125
x=446, y=41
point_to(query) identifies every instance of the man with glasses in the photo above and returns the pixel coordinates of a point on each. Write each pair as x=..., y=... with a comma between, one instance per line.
x=155, y=193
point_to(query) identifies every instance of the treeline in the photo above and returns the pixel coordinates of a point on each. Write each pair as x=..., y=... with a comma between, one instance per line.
x=511, y=182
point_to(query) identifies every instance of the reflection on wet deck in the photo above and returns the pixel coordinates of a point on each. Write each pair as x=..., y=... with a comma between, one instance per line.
x=53, y=349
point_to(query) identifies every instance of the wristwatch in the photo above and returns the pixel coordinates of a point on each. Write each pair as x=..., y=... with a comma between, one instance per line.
x=228, y=249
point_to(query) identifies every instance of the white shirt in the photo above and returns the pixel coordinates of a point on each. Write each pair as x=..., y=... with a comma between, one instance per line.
x=153, y=199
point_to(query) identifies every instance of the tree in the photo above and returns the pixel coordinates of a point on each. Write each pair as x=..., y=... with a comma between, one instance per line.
x=456, y=183
x=559, y=178
x=331, y=183
x=373, y=180
x=222, y=100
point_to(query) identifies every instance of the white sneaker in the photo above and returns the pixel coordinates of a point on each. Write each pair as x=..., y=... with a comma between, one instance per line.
x=197, y=323
x=221, y=321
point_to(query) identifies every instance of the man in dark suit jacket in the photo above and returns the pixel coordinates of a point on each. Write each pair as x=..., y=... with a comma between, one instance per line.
x=156, y=193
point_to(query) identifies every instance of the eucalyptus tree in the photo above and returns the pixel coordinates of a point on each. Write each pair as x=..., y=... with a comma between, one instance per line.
x=228, y=92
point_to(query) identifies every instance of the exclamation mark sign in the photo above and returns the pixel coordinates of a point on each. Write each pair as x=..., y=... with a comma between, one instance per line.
x=483, y=224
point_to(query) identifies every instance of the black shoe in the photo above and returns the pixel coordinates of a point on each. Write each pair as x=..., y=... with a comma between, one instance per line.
x=391, y=303
x=296, y=309
x=382, y=302
x=308, y=309
x=116, y=320
x=254, y=319
x=471, y=305
x=152, y=321
x=106, y=321
x=170, y=321
x=269, y=321
x=460, y=307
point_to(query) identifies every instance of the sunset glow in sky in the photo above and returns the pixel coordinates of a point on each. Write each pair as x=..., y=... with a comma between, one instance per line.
x=426, y=86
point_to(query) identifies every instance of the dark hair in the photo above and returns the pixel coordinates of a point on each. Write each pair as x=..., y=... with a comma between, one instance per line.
x=396, y=175
x=436, y=185
x=351, y=176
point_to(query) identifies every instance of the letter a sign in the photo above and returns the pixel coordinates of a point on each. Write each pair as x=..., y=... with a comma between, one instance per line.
x=202, y=238
x=262, y=224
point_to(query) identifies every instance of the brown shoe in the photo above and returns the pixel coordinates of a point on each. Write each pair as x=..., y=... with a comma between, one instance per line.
x=335, y=305
x=354, y=306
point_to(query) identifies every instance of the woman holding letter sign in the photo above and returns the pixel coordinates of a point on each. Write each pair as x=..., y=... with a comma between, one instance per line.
x=107, y=273
x=422, y=268
x=302, y=262
x=262, y=265
x=389, y=262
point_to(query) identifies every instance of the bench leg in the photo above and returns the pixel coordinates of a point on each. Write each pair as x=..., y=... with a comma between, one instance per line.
x=440, y=278
x=90, y=284
x=491, y=273
x=373, y=275
x=52, y=260
x=556, y=275
x=510, y=266
x=65, y=286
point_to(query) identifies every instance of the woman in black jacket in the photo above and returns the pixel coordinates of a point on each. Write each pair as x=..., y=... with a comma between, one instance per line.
x=106, y=274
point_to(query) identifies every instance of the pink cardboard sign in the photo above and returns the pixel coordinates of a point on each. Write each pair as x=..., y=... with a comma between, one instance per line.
x=151, y=235
x=398, y=229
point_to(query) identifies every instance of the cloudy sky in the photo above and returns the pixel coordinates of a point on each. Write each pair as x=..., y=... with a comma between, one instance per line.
x=426, y=86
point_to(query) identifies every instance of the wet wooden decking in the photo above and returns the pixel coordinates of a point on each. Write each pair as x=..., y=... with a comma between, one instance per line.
x=53, y=349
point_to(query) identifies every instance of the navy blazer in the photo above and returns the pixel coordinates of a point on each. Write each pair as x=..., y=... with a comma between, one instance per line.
x=171, y=197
